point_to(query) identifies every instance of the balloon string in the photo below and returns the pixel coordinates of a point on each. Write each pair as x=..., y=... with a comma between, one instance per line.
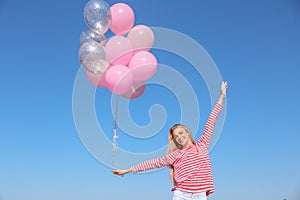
x=115, y=137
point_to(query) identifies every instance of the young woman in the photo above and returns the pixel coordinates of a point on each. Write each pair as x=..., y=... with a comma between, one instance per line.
x=189, y=162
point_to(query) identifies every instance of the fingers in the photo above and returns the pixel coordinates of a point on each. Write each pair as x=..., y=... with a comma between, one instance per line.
x=117, y=172
x=225, y=84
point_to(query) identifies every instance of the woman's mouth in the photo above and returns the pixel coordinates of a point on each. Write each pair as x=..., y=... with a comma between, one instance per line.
x=180, y=141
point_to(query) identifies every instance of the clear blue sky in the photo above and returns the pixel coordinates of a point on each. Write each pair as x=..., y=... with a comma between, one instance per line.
x=255, y=45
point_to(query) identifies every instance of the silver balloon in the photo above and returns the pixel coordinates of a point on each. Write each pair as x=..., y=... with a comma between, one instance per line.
x=91, y=48
x=92, y=57
x=95, y=66
x=88, y=35
x=97, y=15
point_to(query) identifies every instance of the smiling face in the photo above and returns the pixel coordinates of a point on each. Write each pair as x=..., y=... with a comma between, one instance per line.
x=182, y=137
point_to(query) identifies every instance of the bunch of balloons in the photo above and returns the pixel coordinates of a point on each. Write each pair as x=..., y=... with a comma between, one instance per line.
x=122, y=63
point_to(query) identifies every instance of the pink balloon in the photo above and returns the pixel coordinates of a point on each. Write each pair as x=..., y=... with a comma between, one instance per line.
x=118, y=79
x=136, y=90
x=143, y=65
x=141, y=38
x=118, y=50
x=96, y=79
x=122, y=18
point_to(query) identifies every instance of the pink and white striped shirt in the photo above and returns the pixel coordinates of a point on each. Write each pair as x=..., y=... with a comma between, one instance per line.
x=192, y=168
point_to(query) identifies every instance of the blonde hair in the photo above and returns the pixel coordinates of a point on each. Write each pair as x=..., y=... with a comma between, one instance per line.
x=173, y=145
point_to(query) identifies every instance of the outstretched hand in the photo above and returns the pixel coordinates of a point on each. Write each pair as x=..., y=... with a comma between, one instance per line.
x=120, y=172
x=224, y=87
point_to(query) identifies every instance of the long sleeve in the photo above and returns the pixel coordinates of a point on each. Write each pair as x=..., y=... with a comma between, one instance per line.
x=209, y=126
x=156, y=163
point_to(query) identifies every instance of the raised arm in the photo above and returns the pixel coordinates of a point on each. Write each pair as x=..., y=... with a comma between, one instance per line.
x=209, y=126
